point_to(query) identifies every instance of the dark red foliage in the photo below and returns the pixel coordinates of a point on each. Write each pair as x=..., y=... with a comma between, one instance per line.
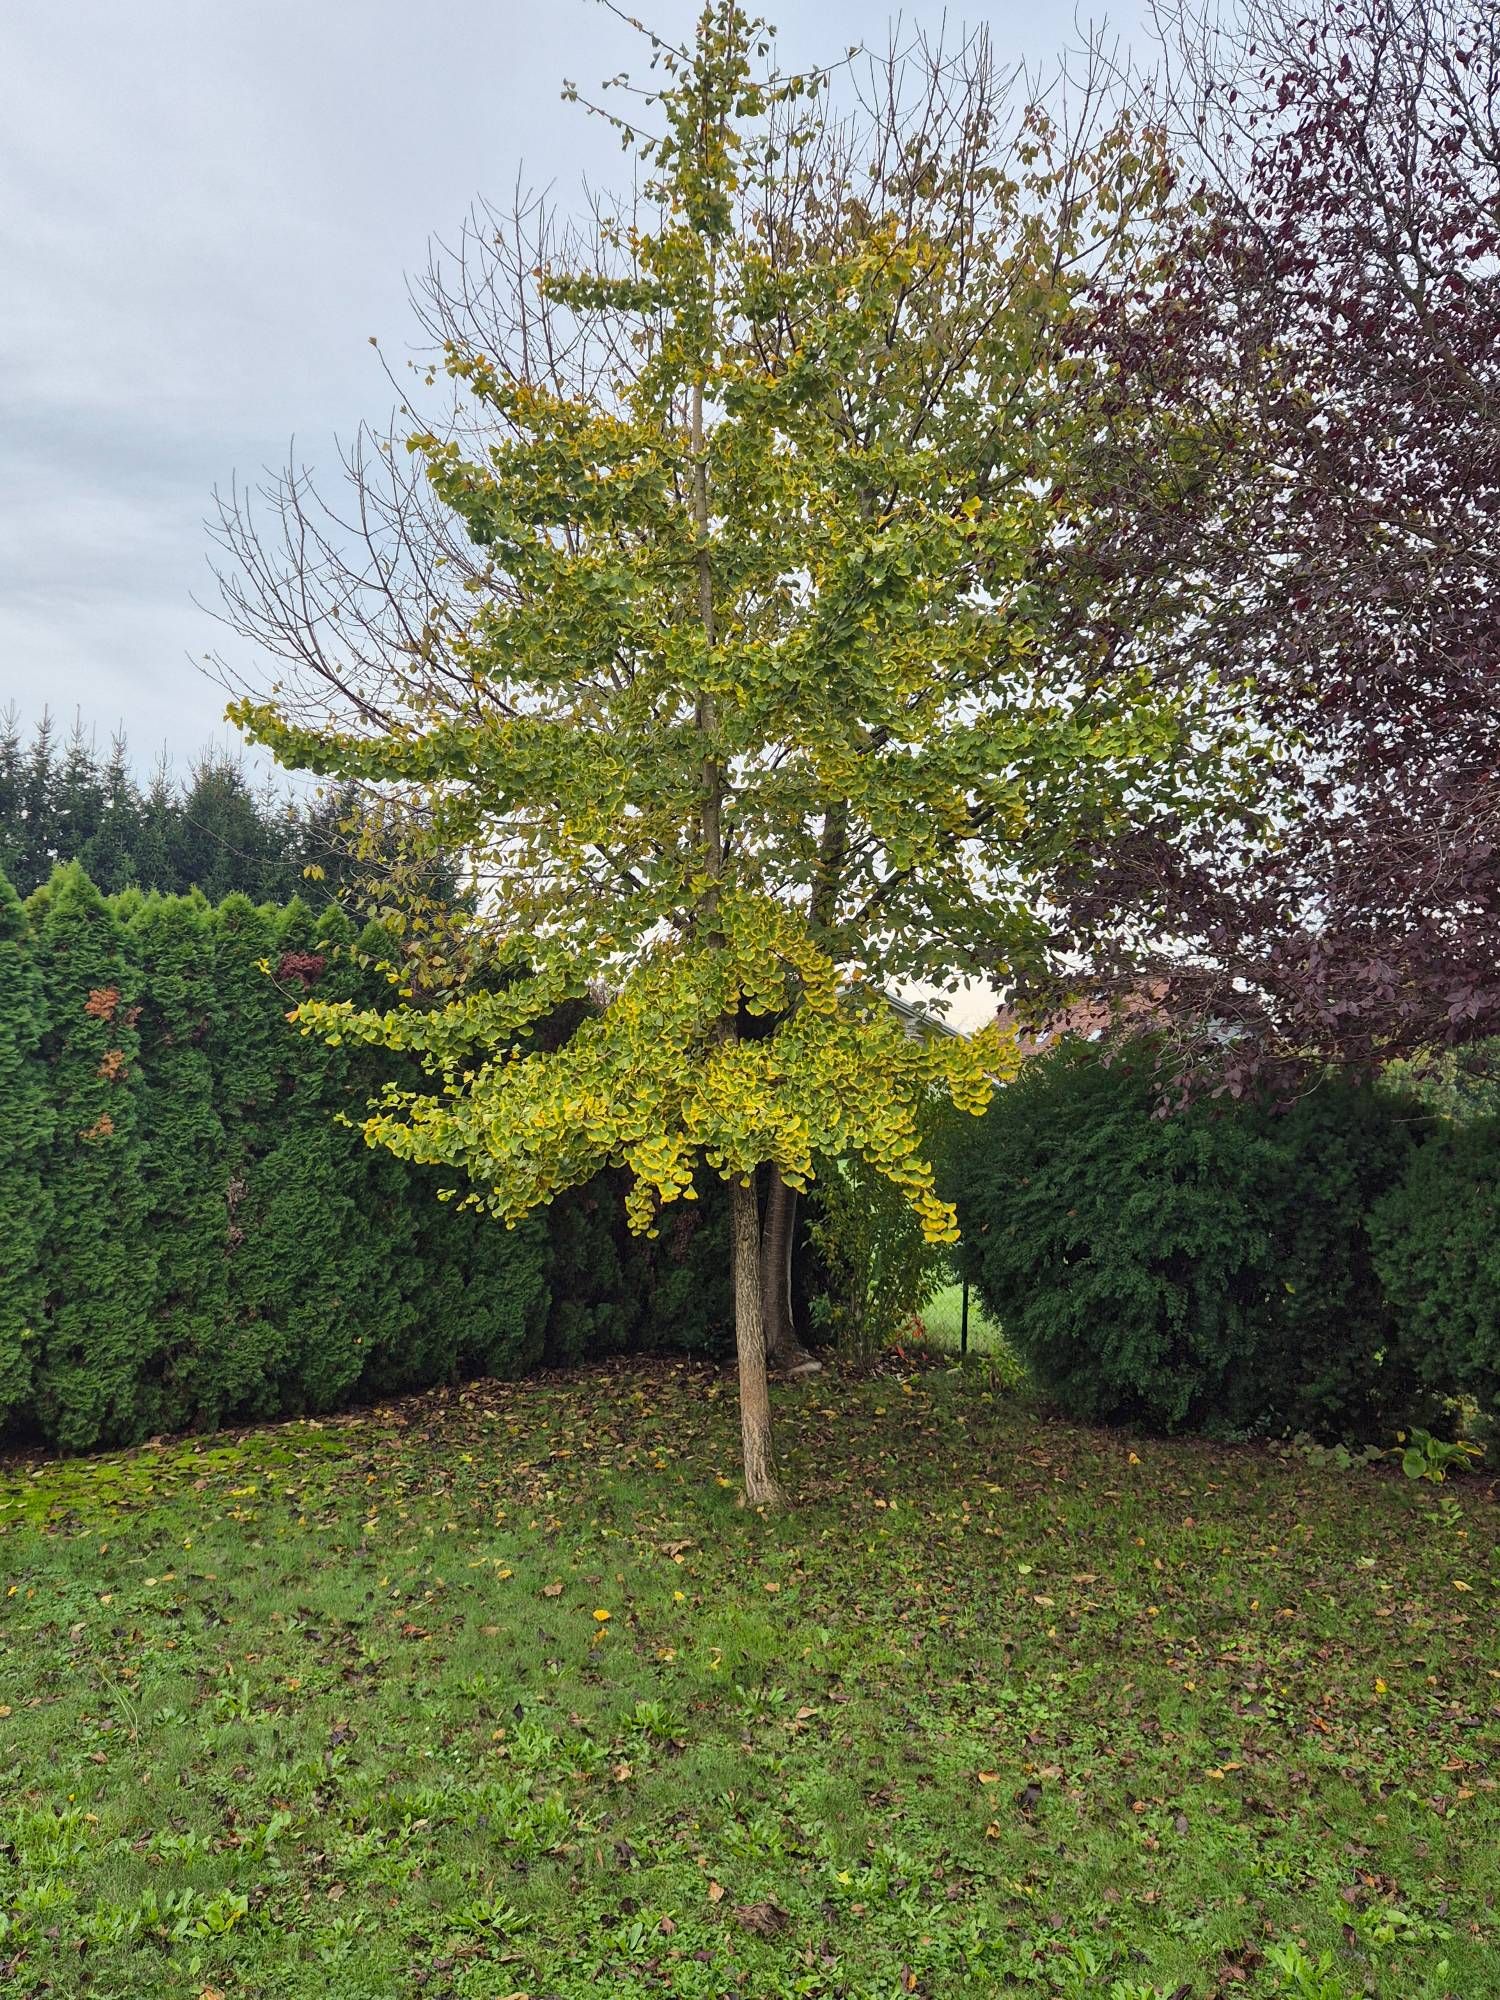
x=1298, y=488
x=303, y=966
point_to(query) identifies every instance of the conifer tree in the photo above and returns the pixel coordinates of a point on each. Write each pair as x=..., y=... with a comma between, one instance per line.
x=227, y=835
x=78, y=799
x=183, y=1154
x=151, y=860
x=413, y=1332
x=100, y=1264
x=362, y=1290
x=308, y=1278
x=25, y=1127
x=36, y=852
x=252, y=1054
x=12, y=796
x=109, y=852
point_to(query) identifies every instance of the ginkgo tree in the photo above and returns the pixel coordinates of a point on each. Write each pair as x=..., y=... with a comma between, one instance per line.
x=743, y=708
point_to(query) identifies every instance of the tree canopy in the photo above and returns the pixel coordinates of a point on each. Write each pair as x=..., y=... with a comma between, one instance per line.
x=1297, y=478
x=747, y=707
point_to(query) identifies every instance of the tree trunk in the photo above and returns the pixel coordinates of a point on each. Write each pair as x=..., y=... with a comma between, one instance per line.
x=778, y=1232
x=761, y=1488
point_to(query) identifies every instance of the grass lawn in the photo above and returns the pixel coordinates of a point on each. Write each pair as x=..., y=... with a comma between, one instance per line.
x=942, y=1323
x=495, y=1693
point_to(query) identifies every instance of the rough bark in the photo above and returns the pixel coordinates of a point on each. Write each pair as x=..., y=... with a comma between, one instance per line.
x=761, y=1487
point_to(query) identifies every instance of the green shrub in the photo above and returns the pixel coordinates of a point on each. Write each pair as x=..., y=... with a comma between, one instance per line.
x=98, y=1351
x=1202, y=1270
x=597, y=1274
x=250, y=1047
x=1436, y=1240
x=182, y=1151
x=688, y=1298
x=1330, y=1352
x=877, y=1270
x=503, y=1312
x=25, y=1129
x=614, y=1293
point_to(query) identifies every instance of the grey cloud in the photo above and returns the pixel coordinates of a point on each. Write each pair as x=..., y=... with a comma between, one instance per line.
x=204, y=210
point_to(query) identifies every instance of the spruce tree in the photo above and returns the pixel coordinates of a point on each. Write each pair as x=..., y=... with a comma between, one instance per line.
x=151, y=853
x=36, y=852
x=109, y=852
x=96, y=1348
x=78, y=799
x=25, y=1121
x=12, y=794
x=228, y=836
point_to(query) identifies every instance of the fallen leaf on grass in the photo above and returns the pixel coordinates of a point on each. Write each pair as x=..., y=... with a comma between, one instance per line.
x=765, y=1919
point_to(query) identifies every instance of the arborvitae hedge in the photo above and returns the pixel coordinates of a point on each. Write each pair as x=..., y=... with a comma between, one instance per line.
x=1210, y=1269
x=314, y=1269
x=192, y=1230
x=25, y=1129
x=250, y=1046
x=98, y=1347
x=182, y=1168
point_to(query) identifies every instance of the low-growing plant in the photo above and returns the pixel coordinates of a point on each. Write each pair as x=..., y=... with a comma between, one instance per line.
x=1424, y=1456
x=877, y=1267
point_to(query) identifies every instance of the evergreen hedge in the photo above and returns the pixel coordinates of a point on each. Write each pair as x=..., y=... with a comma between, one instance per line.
x=99, y=1252
x=1436, y=1240
x=190, y=1236
x=1207, y=1270
x=26, y=1120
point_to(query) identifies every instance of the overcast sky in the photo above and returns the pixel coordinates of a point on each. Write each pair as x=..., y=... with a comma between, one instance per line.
x=205, y=211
